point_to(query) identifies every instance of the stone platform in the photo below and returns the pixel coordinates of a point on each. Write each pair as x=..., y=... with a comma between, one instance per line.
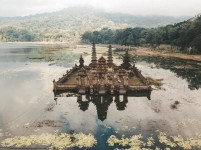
x=103, y=77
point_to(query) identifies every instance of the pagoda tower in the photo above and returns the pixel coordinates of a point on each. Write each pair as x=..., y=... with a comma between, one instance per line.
x=93, y=58
x=81, y=60
x=101, y=66
x=126, y=61
x=110, y=58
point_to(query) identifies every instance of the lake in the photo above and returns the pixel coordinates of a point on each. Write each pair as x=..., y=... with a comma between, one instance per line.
x=27, y=104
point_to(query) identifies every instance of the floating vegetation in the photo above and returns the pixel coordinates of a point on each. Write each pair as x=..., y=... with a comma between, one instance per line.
x=47, y=123
x=189, y=143
x=189, y=121
x=175, y=105
x=81, y=140
x=178, y=141
x=36, y=57
x=163, y=139
x=156, y=82
x=50, y=107
x=53, y=141
x=136, y=142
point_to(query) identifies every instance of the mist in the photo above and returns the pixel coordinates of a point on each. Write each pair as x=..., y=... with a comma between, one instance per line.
x=176, y=8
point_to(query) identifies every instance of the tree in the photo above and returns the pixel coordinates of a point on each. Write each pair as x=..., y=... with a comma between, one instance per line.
x=130, y=40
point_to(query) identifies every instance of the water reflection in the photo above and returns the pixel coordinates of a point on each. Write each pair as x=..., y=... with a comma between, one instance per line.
x=186, y=69
x=102, y=103
x=34, y=94
x=56, y=54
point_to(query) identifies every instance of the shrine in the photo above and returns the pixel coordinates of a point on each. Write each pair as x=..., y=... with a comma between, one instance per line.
x=102, y=77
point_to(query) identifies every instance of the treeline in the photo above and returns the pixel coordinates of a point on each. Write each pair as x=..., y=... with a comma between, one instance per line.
x=185, y=35
x=25, y=34
x=69, y=24
x=14, y=35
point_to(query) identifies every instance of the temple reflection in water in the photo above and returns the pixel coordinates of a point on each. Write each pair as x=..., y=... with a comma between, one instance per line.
x=102, y=103
x=102, y=82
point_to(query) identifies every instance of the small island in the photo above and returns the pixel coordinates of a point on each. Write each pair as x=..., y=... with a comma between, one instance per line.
x=102, y=77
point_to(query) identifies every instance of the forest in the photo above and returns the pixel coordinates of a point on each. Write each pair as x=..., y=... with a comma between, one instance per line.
x=13, y=34
x=185, y=35
x=69, y=24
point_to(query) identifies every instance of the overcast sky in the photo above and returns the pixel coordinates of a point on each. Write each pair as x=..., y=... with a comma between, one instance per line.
x=136, y=7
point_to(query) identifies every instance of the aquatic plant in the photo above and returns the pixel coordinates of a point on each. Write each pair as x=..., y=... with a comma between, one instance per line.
x=53, y=141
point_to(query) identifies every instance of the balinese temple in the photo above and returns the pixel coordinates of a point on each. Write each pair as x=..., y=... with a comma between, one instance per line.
x=103, y=77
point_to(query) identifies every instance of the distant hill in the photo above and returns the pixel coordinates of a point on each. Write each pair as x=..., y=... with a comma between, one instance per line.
x=185, y=35
x=68, y=24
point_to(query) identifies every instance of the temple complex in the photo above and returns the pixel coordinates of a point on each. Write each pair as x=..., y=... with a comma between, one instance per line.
x=103, y=77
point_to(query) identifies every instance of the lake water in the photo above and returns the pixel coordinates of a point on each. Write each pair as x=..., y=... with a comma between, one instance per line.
x=27, y=103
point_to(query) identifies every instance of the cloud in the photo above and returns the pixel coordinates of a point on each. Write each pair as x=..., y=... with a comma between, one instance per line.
x=136, y=7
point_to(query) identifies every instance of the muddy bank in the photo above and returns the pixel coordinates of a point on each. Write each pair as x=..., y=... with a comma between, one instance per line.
x=143, y=51
x=166, y=52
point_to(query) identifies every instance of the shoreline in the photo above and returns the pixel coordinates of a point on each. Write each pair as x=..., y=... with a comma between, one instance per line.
x=138, y=51
x=143, y=51
x=148, y=51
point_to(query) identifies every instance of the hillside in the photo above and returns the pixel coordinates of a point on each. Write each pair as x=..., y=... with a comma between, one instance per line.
x=186, y=35
x=68, y=24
